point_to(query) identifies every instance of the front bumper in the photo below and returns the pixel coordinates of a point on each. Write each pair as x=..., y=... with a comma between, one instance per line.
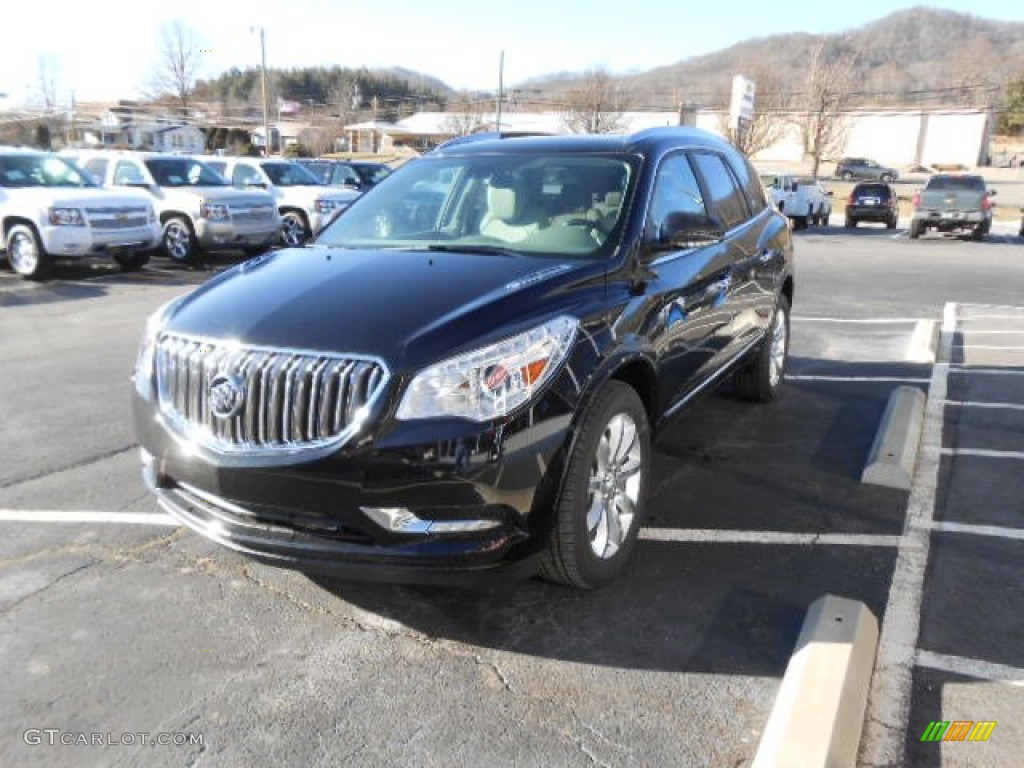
x=74, y=242
x=231, y=234
x=446, y=503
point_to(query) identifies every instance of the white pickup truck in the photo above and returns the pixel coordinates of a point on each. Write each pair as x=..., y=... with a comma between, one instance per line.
x=803, y=199
x=51, y=210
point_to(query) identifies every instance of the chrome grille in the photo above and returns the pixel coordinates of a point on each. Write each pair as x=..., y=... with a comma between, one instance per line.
x=117, y=217
x=286, y=399
x=256, y=213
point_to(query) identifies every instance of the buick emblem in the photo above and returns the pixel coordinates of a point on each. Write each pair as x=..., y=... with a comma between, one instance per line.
x=227, y=394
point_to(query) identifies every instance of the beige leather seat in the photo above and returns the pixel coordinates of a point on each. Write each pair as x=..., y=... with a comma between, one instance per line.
x=504, y=219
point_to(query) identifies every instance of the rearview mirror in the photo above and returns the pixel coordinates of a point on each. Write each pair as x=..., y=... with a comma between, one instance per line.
x=681, y=230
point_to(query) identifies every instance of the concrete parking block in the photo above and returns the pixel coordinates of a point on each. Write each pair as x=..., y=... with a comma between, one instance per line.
x=892, y=457
x=819, y=711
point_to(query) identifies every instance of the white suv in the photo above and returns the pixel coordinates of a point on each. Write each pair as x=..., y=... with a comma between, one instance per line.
x=306, y=205
x=197, y=208
x=50, y=210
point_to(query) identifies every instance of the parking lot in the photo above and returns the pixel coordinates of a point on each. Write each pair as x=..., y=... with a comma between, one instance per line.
x=117, y=622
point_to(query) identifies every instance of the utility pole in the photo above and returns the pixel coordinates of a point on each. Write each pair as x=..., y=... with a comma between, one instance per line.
x=501, y=88
x=263, y=86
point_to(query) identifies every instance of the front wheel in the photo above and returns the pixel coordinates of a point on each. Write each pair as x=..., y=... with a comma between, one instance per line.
x=759, y=380
x=26, y=254
x=294, y=231
x=178, y=240
x=915, y=229
x=847, y=176
x=601, y=505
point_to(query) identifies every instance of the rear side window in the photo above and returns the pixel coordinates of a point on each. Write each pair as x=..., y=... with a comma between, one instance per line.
x=97, y=166
x=725, y=197
x=753, y=192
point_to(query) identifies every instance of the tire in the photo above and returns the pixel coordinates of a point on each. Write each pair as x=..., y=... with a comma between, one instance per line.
x=759, y=380
x=891, y=223
x=915, y=229
x=131, y=262
x=26, y=254
x=979, y=232
x=601, y=505
x=887, y=178
x=851, y=223
x=847, y=176
x=178, y=241
x=294, y=229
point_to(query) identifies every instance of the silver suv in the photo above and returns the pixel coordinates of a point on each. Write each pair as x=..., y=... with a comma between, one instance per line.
x=305, y=204
x=198, y=209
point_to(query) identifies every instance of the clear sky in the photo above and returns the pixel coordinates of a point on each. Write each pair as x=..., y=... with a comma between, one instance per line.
x=106, y=50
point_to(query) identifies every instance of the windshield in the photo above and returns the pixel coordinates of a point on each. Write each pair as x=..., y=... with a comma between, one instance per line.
x=551, y=204
x=183, y=172
x=290, y=175
x=41, y=171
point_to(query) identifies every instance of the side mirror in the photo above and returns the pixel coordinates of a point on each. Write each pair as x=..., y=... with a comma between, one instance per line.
x=991, y=192
x=351, y=184
x=682, y=230
x=254, y=185
x=139, y=185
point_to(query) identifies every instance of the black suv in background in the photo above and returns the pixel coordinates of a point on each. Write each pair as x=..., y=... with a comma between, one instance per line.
x=467, y=384
x=850, y=168
x=872, y=201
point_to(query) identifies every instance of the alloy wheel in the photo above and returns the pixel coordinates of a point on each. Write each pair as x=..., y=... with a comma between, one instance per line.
x=614, y=486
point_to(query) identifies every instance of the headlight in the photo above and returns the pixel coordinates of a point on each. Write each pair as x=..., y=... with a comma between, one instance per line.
x=66, y=217
x=327, y=206
x=492, y=381
x=214, y=211
x=155, y=323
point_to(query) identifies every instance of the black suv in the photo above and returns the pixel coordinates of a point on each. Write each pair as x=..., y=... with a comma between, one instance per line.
x=850, y=168
x=460, y=376
x=873, y=201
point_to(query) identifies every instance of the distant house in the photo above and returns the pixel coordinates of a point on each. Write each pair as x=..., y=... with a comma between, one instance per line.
x=132, y=127
x=283, y=133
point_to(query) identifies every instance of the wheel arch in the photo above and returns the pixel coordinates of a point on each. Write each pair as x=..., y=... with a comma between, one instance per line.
x=12, y=221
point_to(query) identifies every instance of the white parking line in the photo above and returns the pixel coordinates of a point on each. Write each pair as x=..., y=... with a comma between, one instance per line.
x=889, y=701
x=985, y=371
x=858, y=320
x=996, y=531
x=989, y=346
x=880, y=379
x=981, y=404
x=718, y=536
x=84, y=516
x=960, y=665
x=983, y=453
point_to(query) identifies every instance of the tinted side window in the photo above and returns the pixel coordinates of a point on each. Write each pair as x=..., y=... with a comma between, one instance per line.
x=244, y=174
x=753, y=192
x=726, y=200
x=675, y=190
x=97, y=166
x=126, y=172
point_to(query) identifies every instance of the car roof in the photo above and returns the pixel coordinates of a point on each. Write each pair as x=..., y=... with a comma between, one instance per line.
x=649, y=140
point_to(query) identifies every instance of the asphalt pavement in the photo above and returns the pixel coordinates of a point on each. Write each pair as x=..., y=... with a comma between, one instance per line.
x=118, y=625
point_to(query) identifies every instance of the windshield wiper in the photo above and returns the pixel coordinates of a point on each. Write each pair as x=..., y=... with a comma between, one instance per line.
x=460, y=248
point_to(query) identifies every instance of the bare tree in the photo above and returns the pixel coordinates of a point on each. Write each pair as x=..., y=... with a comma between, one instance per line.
x=772, y=99
x=593, y=104
x=174, y=75
x=466, y=118
x=831, y=76
x=48, y=82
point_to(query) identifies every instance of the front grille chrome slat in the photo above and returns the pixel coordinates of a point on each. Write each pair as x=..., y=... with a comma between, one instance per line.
x=289, y=400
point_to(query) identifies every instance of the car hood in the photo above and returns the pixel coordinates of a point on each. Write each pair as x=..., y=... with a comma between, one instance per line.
x=408, y=308
x=45, y=197
x=307, y=196
x=224, y=195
